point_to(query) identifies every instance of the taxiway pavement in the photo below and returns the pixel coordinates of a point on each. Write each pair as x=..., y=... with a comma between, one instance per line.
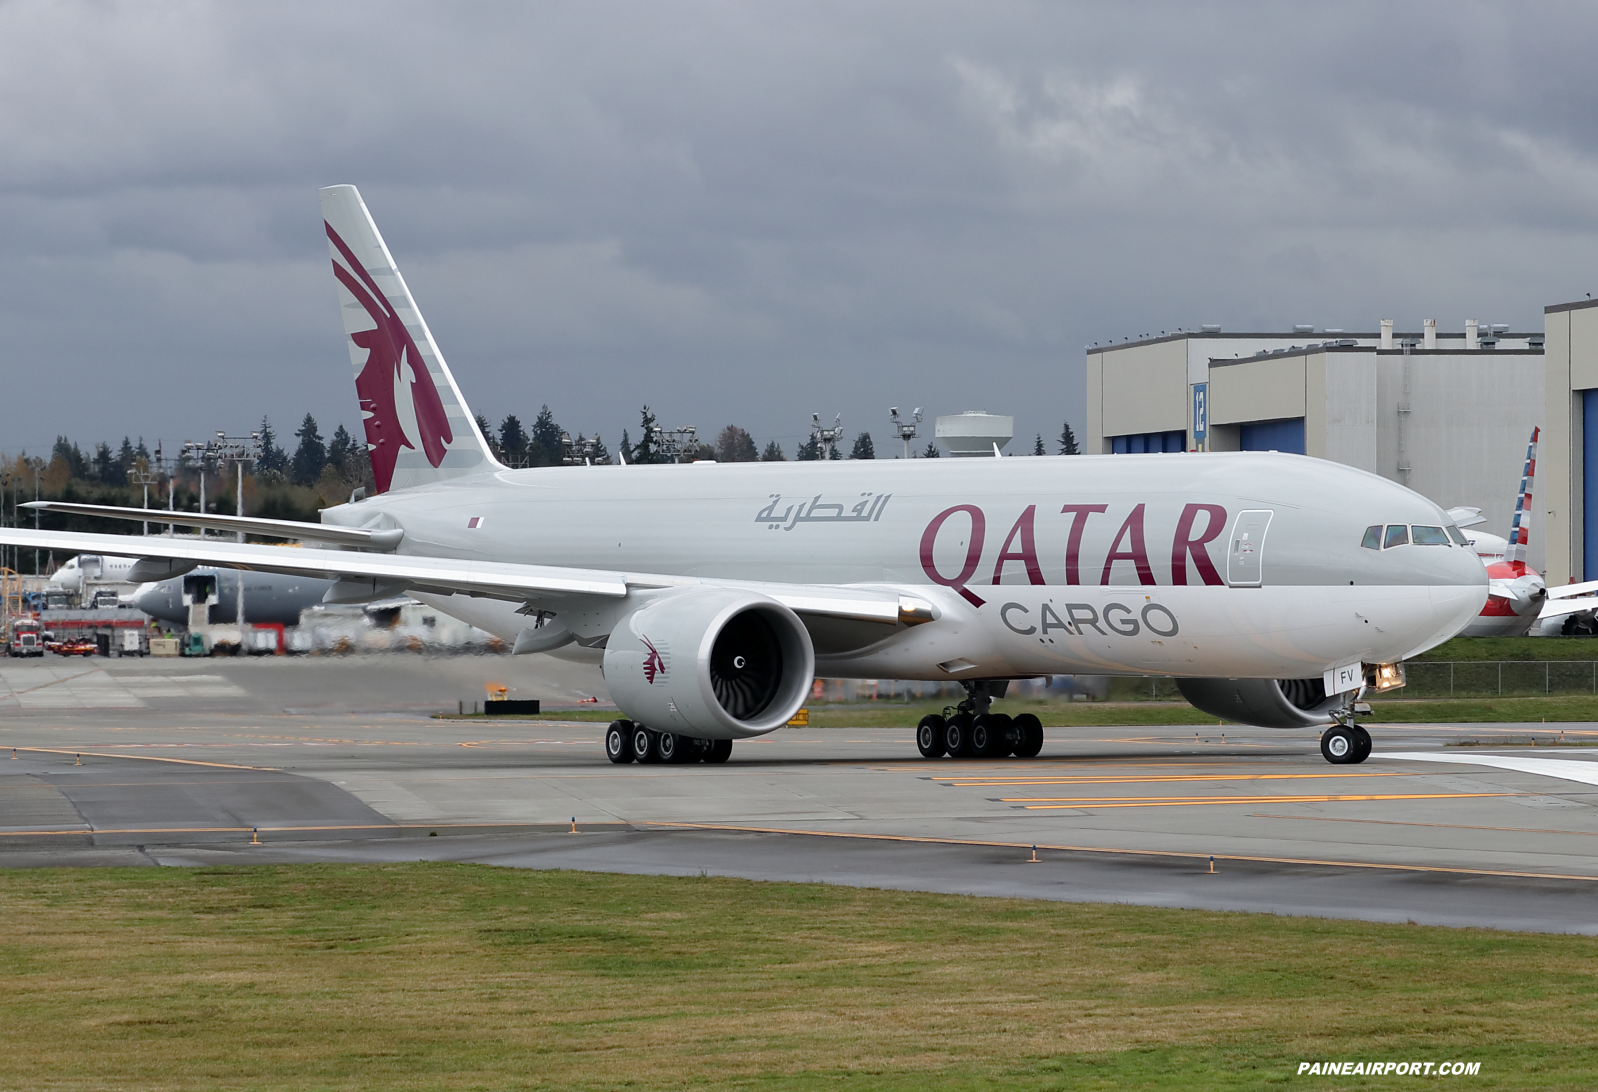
x=339, y=760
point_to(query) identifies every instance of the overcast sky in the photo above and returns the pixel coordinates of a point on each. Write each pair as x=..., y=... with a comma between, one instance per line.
x=744, y=212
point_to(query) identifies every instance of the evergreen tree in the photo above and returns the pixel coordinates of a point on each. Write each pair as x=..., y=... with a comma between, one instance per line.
x=513, y=441
x=71, y=457
x=142, y=452
x=863, y=448
x=105, y=465
x=341, y=452
x=1068, y=444
x=601, y=454
x=808, y=452
x=488, y=437
x=310, y=456
x=544, y=447
x=125, y=457
x=626, y=448
x=734, y=445
x=932, y=452
x=269, y=455
x=644, y=451
x=1037, y=448
x=773, y=453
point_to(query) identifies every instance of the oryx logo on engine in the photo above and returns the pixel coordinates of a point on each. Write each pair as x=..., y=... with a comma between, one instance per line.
x=654, y=663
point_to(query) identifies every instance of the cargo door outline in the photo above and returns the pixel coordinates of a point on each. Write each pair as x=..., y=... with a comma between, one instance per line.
x=1245, y=553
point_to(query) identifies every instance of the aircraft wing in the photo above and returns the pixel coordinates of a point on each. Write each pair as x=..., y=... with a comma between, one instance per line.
x=468, y=576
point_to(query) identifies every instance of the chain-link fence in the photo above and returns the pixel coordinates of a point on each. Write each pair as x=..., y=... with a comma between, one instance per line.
x=1492, y=678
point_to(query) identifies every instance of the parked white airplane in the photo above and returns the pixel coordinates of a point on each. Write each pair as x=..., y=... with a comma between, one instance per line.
x=85, y=569
x=712, y=594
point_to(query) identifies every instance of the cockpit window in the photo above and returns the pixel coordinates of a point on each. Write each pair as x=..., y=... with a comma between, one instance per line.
x=1373, y=538
x=1397, y=535
x=1457, y=535
x=1430, y=536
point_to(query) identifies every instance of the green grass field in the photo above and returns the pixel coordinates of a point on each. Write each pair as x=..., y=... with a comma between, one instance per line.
x=434, y=976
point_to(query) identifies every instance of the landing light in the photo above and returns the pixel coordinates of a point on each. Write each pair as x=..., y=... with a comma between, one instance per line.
x=1384, y=676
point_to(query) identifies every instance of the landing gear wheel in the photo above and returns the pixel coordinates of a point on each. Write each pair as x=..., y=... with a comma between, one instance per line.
x=1340, y=745
x=618, y=741
x=957, y=735
x=988, y=736
x=720, y=751
x=1030, y=730
x=644, y=749
x=1363, y=738
x=929, y=736
x=672, y=747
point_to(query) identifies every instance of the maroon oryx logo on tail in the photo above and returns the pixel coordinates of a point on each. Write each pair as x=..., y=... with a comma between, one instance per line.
x=653, y=663
x=390, y=350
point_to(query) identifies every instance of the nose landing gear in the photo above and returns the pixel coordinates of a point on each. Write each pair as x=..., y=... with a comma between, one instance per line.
x=1345, y=744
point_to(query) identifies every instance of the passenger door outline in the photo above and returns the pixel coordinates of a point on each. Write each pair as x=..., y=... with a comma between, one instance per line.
x=1245, y=554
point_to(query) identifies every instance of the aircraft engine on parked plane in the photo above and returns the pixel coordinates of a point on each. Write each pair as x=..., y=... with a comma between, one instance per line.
x=1264, y=703
x=710, y=664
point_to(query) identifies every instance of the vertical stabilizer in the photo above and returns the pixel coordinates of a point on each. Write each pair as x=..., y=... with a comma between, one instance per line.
x=1522, y=524
x=418, y=427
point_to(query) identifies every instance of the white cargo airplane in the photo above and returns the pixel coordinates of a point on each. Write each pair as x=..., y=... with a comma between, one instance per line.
x=712, y=594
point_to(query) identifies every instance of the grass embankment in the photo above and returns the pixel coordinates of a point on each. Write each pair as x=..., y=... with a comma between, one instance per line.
x=459, y=976
x=1513, y=648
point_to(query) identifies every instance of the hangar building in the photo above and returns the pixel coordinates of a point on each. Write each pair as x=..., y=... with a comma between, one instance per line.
x=1446, y=414
x=1568, y=466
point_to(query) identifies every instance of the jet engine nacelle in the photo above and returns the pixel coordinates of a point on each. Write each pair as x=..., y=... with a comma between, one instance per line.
x=710, y=662
x=1264, y=703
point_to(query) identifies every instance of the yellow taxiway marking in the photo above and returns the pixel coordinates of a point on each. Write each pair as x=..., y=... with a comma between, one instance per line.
x=1134, y=779
x=1059, y=803
x=1444, y=826
x=142, y=758
x=1023, y=846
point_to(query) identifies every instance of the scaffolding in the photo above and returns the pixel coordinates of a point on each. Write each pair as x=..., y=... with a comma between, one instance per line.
x=11, y=606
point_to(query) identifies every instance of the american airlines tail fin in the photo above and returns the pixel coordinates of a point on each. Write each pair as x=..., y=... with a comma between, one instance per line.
x=418, y=427
x=1519, y=529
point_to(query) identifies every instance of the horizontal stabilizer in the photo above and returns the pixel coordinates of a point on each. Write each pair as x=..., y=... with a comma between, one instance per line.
x=265, y=528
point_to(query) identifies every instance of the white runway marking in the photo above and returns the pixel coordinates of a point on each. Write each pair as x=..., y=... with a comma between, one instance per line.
x=1568, y=769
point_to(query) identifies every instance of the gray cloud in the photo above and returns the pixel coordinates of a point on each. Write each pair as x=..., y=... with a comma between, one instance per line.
x=745, y=212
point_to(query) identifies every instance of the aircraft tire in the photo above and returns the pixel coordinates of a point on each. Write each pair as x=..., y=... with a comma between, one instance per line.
x=988, y=736
x=618, y=741
x=644, y=745
x=1340, y=746
x=1363, y=738
x=720, y=751
x=929, y=736
x=672, y=747
x=1030, y=730
x=957, y=735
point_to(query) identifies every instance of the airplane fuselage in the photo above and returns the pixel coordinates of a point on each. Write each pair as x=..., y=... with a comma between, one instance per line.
x=1216, y=565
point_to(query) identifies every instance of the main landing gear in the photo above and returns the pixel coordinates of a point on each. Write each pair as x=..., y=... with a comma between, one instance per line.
x=1345, y=744
x=629, y=742
x=974, y=732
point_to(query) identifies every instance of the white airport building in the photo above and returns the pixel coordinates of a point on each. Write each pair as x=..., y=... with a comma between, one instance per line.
x=1447, y=414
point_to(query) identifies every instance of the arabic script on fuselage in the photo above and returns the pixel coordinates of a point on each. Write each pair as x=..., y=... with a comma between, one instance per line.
x=868, y=509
